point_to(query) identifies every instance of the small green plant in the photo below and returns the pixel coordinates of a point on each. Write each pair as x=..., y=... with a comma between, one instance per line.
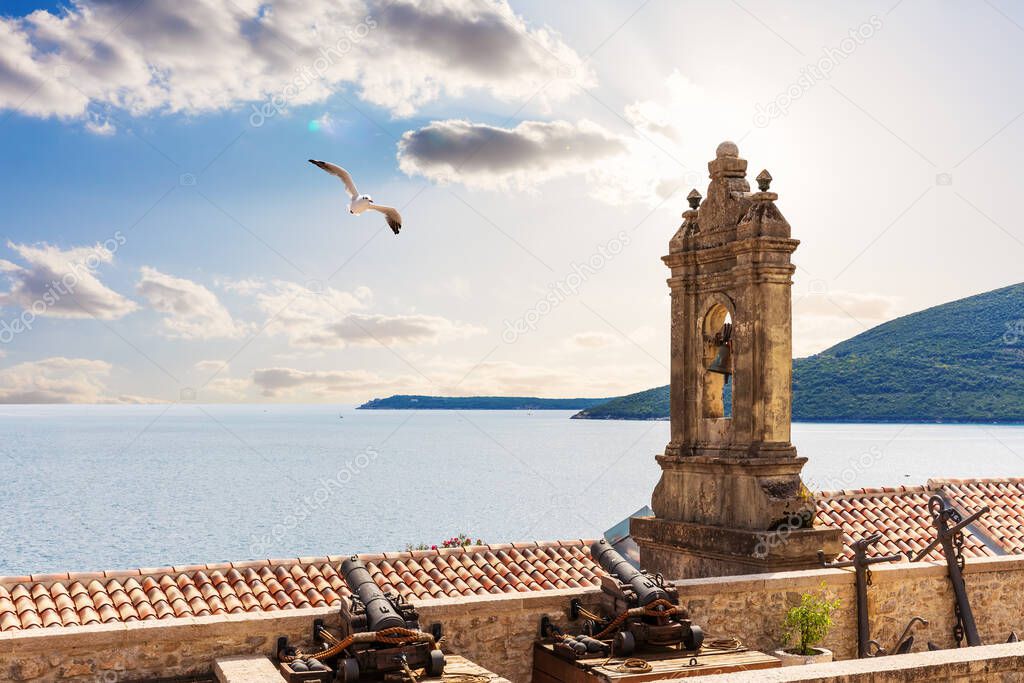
x=810, y=621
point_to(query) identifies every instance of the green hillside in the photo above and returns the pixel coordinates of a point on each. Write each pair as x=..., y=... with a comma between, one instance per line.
x=959, y=362
x=645, y=405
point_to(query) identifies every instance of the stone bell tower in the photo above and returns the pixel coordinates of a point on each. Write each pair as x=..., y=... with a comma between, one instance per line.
x=730, y=499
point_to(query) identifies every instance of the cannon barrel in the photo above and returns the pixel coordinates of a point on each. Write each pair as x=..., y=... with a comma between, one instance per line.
x=647, y=591
x=380, y=612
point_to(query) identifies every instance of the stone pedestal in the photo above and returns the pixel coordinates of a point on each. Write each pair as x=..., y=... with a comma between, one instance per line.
x=730, y=499
x=683, y=550
x=743, y=516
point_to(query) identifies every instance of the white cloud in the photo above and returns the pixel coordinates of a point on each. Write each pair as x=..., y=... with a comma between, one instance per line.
x=484, y=156
x=63, y=283
x=211, y=366
x=227, y=389
x=132, y=399
x=324, y=317
x=660, y=117
x=302, y=314
x=508, y=378
x=369, y=330
x=100, y=126
x=868, y=306
x=823, y=318
x=191, y=310
x=244, y=287
x=593, y=340
x=208, y=55
x=55, y=380
x=322, y=384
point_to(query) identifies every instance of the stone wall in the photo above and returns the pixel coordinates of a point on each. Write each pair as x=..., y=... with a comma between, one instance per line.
x=145, y=650
x=497, y=632
x=752, y=607
x=986, y=664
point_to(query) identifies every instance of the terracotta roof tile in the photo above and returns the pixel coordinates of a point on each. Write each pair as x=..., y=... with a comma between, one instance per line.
x=901, y=514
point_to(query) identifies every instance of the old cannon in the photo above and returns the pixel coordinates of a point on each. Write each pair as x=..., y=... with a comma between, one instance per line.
x=383, y=635
x=646, y=609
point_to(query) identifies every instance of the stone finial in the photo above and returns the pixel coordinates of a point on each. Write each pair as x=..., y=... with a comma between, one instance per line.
x=764, y=180
x=727, y=149
x=694, y=198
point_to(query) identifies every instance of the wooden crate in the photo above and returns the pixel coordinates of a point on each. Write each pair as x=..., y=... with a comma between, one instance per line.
x=665, y=663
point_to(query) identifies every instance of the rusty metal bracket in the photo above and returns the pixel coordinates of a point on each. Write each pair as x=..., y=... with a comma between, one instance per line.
x=950, y=539
x=860, y=564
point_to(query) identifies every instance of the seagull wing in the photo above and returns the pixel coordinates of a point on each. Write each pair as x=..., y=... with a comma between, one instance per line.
x=336, y=170
x=391, y=215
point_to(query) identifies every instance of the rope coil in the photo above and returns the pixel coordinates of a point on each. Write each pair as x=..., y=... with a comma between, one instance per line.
x=634, y=665
x=650, y=610
x=391, y=636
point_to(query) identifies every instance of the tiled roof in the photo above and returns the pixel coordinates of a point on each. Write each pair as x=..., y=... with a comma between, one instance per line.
x=84, y=598
x=900, y=513
x=52, y=600
x=1004, y=523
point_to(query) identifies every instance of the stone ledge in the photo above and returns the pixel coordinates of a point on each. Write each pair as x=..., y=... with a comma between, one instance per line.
x=986, y=662
x=504, y=601
x=12, y=641
x=745, y=583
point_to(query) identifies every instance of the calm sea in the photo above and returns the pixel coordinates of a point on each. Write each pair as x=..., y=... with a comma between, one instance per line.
x=102, y=487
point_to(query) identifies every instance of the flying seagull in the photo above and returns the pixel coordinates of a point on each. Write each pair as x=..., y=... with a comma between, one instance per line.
x=361, y=202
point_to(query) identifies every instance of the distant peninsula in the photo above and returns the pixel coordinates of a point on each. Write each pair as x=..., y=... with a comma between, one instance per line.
x=405, y=402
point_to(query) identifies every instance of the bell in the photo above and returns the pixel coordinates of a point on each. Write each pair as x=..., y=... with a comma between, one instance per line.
x=722, y=364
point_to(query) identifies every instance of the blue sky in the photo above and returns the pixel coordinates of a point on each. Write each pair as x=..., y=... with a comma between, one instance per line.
x=239, y=276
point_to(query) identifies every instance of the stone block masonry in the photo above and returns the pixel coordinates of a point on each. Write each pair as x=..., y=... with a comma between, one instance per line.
x=145, y=650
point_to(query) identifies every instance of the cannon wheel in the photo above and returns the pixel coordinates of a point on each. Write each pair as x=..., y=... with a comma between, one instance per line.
x=348, y=671
x=435, y=666
x=625, y=643
x=694, y=639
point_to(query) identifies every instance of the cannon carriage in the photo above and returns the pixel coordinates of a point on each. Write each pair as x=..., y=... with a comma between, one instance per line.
x=645, y=613
x=383, y=638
